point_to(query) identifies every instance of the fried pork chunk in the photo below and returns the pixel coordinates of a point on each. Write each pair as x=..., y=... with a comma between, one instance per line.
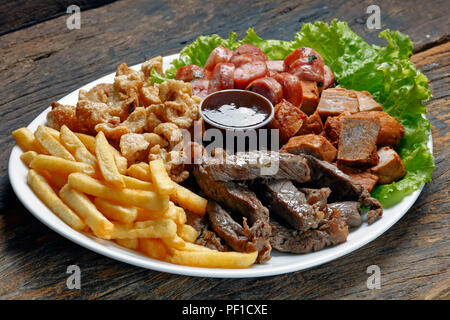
x=390, y=168
x=335, y=101
x=357, y=141
x=135, y=147
x=366, y=102
x=313, y=144
x=62, y=114
x=288, y=119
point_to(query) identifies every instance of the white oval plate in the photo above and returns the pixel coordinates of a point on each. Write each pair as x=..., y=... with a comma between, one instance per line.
x=279, y=264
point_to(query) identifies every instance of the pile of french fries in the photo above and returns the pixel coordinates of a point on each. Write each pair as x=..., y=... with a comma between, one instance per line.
x=86, y=182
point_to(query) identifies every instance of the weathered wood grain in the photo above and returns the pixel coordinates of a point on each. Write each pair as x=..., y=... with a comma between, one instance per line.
x=46, y=61
x=20, y=14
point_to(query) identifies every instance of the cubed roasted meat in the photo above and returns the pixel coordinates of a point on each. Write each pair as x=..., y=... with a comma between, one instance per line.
x=391, y=131
x=312, y=125
x=390, y=167
x=363, y=177
x=310, y=96
x=349, y=210
x=367, y=102
x=288, y=119
x=312, y=144
x=357, y=141
x=335, y=101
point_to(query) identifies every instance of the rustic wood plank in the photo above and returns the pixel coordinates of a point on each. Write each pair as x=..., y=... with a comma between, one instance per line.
x=15, y=15
x=46, y=61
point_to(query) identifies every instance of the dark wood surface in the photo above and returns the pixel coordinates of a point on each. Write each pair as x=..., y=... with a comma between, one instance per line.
x=43, y=61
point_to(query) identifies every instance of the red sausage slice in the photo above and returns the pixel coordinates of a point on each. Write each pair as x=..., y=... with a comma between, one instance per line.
x=275, y=66
x=240, y=59
x=222, y=77
x=328, y=77
x=218, y=55
x=200, y=87
x=268, y=87
x=248, y=48
x=189, y=73
x=305, y=63
x=247, y=72
x=292, y=87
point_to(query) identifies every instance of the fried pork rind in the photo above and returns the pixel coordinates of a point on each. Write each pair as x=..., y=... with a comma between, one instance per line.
x=149, y=94
x=135, y=123
x=154, y=63
x=180, y=107
x=170, y=132
x=62, y=114
x=90, y=114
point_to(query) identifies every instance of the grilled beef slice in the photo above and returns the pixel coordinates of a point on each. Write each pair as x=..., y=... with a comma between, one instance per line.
x=343, y=188
x=239, y=199
x=317, y=197
x=349, y=210
x=285, y=200
x=240, y=238
x=332, y=232
x=205, y=237
x=258, y=164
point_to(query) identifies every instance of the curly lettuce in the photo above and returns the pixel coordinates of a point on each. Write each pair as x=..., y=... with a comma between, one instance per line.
x=385, y=72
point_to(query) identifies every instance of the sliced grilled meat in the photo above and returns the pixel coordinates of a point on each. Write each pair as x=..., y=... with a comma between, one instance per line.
x=240, y=238
x=342, y=186
x=285, y=200
x=259, y=164
x=349, y=210
x=239, y=199
x=317, y=197
x=206, y=237
x=332, y=232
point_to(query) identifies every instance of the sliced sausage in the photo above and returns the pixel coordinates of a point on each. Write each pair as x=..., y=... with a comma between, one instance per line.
x=248, y=48
x=189, y=73
x=241, y=59
x=292, y=87
x=218, y=55
x=248, y=72
x=268, y=87
x=222, y=77
x=275, y=66
x=200, y=87
x=305, y=63
x=328, y=77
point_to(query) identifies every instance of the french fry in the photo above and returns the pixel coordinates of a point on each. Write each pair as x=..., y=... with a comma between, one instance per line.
x=187, y=233
x=154, y=248
x=129, y=197
x=26, y=140
x=117, y=212
x=195, y=247
x=76, y=147
x=212, y=259
x=81, y=204
x=56, y=164
x=53, y=132
x=175, y=242
x=174, y=213
x=107, y=163
x=160, y=178
x=89, y=143
x=45, y=192
x=52, y=145
x=189, y=200
x=129, y=243
x=27, y=157
x=162, y=228
x=133, y=183
x=140, y=171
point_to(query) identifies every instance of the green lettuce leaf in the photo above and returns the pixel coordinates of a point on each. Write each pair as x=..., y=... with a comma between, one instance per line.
x=385, y=72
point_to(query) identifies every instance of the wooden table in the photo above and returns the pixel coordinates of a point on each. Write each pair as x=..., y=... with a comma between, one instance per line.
x=41, y=61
